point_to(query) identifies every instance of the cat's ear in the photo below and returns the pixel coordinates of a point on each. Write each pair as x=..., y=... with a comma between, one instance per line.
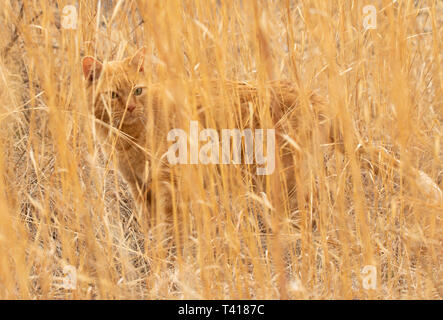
x=138, y=59
x=91, y=68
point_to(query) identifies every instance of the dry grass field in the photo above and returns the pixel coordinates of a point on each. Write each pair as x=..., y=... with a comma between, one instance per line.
x=368, y=199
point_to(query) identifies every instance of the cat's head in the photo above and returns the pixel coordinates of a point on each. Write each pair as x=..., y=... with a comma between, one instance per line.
x=117, y=88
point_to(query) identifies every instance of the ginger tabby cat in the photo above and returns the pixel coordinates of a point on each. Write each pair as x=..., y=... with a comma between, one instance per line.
x=126, y=109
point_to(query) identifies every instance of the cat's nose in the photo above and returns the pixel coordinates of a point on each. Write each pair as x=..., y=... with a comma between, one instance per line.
x=131, y=107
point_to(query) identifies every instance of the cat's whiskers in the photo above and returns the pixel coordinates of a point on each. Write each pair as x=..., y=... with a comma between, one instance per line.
x=125, y=118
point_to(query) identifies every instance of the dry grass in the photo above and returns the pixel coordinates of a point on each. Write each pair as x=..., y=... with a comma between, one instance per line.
x=365, y=200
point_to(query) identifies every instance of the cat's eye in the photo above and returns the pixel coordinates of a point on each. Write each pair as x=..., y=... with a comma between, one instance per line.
x=138, y=91
x=114, y=95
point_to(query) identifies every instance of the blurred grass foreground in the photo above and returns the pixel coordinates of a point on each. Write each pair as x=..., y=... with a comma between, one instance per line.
x=359, y=216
